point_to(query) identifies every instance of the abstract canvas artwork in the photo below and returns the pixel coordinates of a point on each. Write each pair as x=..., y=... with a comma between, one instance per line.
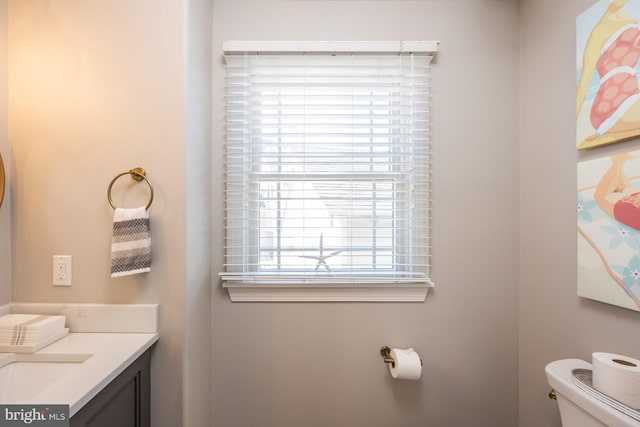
x=608, y=209
x=607, y=57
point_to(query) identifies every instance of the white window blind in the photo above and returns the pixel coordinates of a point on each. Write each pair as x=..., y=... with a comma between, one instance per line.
x=327, y=169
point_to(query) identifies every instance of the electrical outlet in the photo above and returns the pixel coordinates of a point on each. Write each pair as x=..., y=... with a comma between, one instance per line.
x=62, y=270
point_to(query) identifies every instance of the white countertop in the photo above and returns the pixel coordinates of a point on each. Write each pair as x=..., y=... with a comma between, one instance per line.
x=111, y=353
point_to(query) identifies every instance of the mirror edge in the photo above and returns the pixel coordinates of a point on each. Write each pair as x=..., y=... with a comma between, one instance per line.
x=2, y=180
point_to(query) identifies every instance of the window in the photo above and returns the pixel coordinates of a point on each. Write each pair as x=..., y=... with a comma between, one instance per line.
x=327, y=172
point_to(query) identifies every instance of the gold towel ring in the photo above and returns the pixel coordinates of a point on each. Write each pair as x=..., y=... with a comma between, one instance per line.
x=136, y=173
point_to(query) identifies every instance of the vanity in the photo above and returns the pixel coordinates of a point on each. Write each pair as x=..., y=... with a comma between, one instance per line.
x=125, y=401
x=101, y=369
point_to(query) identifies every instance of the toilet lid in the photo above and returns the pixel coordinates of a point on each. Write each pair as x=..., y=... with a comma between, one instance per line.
x=583, y=378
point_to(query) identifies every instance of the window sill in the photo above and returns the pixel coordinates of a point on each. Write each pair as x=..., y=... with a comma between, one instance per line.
x=328, y=293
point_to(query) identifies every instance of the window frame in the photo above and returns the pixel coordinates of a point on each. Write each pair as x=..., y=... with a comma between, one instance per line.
x=242, y=287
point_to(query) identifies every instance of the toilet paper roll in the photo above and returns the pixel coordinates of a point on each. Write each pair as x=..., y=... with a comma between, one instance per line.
x=618, y=377
x=407, y=364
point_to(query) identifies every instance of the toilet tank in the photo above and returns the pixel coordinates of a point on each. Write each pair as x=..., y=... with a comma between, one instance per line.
x=573, y=416
x=577, y=407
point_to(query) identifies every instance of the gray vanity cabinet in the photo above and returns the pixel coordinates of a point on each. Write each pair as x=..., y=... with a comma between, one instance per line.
x=125, y=402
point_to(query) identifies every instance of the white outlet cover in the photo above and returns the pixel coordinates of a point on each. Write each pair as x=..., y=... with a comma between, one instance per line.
x=61, y=270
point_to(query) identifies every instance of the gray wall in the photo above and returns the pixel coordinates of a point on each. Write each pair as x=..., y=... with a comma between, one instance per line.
x=5, y=216
x=497, y=177
x=197, y=225
x=318, y=364
x=554, y=322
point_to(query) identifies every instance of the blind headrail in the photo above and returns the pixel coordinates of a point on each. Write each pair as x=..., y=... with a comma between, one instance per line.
x=238, y=47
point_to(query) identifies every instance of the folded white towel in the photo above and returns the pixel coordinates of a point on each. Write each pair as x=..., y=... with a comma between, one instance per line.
x=28, y=329
x=131, y=243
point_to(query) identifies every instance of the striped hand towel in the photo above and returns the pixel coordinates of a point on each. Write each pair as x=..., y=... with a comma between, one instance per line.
x=131, y=243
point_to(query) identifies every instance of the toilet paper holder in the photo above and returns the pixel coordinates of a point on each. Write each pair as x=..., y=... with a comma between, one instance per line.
x=386, y=355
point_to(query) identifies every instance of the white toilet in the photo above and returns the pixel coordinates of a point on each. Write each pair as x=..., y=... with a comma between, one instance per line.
x=581, y=406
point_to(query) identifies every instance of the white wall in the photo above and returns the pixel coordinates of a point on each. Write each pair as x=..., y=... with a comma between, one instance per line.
x=97, y=88
x=554, y=322
x=313, y=365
